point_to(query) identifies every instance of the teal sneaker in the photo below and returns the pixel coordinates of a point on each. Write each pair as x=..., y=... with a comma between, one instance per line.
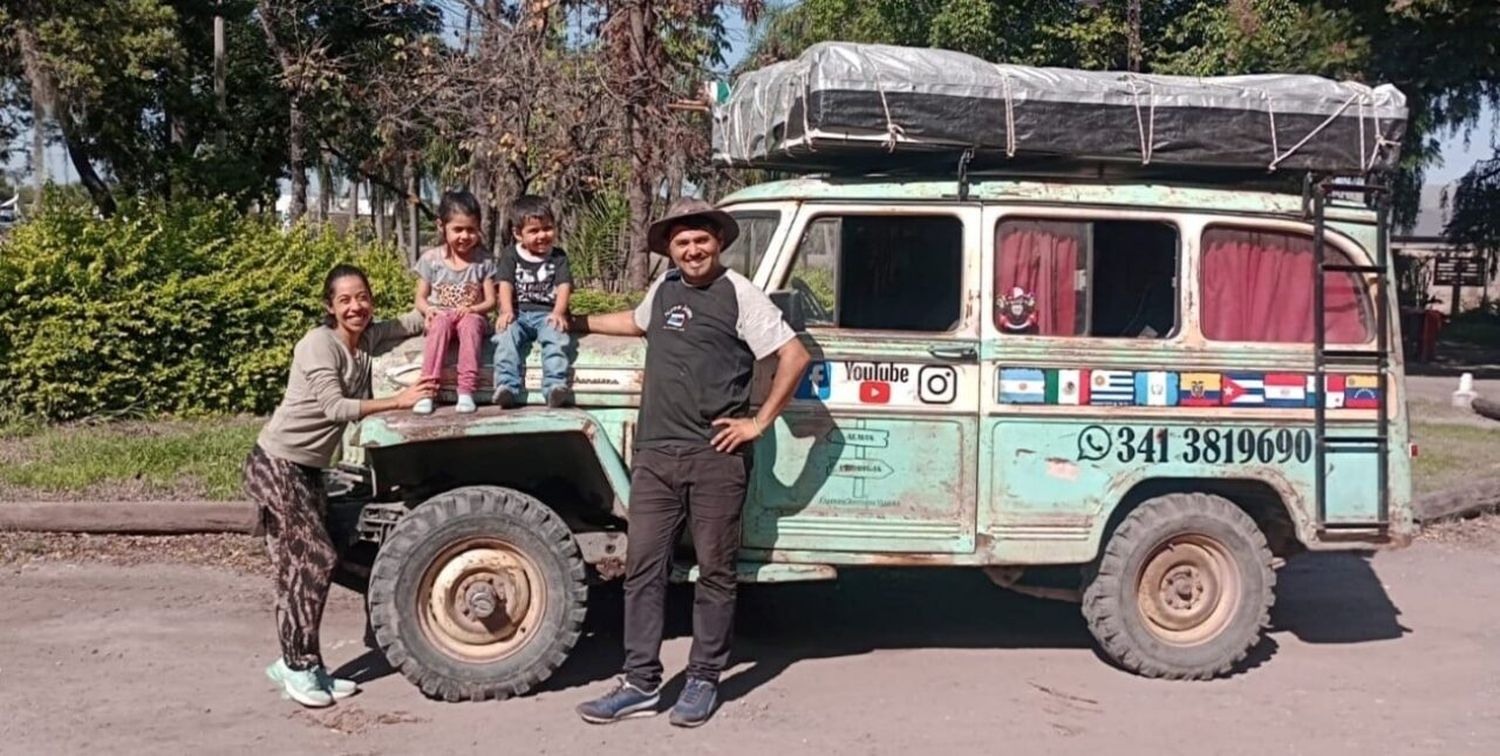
x=301, y=686
x=338, y=687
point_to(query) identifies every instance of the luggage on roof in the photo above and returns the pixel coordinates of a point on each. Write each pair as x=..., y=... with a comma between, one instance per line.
x=845, y=107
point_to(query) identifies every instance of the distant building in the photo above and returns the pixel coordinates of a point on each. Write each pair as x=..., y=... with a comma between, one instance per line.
x=1426, y=262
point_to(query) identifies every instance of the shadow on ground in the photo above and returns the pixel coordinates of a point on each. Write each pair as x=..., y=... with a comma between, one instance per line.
x=1321, y=599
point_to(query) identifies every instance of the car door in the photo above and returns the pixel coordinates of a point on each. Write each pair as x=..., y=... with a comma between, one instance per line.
x=877, y=451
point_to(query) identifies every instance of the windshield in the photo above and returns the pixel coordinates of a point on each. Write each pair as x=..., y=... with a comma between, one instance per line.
x=756, y=229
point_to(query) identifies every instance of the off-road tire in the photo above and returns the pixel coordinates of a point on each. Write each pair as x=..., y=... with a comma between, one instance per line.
x=1114, y=612
x=421, y=536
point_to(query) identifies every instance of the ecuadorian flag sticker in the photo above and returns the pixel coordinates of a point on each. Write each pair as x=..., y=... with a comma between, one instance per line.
x=1199, y=389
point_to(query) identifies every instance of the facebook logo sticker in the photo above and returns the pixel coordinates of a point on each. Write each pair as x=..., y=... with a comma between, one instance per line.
x=817, y=383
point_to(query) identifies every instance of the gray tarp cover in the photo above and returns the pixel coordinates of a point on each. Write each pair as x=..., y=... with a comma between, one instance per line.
x=865, y=107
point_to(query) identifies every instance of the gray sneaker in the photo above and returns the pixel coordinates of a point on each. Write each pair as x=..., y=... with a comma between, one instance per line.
x=624, y=702
x=696, y=704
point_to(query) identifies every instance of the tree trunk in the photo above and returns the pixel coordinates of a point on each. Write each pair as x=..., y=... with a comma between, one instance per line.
x=414, y=228
x=398, y=225
x=38, y=154
x=297, y=120
x=1133, y=21
x=676, y=177
x=325, y=190
x=377, y=212
x=297, y=157
x=639, y=143
x=41, y=100
x=351, y=218
x=77, y=152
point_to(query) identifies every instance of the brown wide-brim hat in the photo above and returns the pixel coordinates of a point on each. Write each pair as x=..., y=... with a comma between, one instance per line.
x=691, y=208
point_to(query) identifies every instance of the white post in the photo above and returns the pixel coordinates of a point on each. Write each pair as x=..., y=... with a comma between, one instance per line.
x=1464, y=396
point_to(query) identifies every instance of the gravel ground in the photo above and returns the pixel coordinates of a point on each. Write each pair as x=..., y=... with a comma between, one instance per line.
x=1398, y=653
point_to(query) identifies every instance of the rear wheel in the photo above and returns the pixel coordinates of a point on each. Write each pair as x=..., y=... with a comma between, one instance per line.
x=478, y=593
x=1183, y=590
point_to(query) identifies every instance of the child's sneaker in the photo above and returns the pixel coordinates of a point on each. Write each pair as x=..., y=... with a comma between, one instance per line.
x=504, y=399
x=422, y=407
x=465, y=404
x=301, y=686
x=560, y=397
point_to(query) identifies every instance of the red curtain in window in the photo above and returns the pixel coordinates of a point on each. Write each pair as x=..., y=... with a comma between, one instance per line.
x=1041, y=259
x=1258, y=286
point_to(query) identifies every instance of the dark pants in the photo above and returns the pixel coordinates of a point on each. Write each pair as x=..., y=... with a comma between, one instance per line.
x=668, y=487
x=292, y=504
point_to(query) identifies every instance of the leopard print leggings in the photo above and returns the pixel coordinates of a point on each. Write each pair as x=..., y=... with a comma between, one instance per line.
x=293, y=504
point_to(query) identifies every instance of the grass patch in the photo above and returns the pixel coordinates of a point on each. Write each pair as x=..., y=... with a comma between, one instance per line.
x=174, y=459
x=1453, y=454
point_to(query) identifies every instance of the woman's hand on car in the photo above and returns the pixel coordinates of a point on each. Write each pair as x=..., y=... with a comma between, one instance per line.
x=422, y=389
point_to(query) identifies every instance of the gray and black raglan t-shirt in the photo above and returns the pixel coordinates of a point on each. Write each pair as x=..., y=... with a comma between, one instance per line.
x=701, y=348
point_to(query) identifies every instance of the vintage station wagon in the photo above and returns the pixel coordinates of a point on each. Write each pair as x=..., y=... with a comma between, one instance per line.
x=1135, y=396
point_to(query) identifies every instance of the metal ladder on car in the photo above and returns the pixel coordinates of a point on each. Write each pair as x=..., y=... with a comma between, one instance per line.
x=1378, y=359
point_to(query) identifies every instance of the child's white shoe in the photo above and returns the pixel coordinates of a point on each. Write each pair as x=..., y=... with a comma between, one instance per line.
x=422, y=407
x=466, y=404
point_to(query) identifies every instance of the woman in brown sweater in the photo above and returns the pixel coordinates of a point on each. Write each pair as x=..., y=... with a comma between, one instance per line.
x=328, y=388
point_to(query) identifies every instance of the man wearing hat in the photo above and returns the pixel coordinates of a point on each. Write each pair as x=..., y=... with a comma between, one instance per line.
x=705, y=326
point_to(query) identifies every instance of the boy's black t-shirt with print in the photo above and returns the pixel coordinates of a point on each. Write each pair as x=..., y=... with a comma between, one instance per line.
x=701, y=347
x=535, y=281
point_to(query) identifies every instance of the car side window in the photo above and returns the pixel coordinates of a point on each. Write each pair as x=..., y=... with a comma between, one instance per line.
x=1100, y=278
x=880, y=272
x=756, y=229
x=1258, y=287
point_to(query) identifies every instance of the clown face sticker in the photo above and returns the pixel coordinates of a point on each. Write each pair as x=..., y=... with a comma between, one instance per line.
x=1016, y=312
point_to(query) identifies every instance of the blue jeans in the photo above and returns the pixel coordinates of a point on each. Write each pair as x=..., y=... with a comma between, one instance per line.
x=512, y=345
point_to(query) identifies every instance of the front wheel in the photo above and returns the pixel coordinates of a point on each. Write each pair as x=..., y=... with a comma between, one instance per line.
x=1183, y=589
x=478, y=593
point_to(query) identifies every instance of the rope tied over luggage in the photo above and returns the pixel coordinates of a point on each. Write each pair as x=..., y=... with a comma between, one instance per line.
x=1280, y=156
x=1010, y=115
x=1145, y=127
x=893, y=131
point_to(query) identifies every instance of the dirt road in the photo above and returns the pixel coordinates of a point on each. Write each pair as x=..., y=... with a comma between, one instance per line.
x=1399, y=653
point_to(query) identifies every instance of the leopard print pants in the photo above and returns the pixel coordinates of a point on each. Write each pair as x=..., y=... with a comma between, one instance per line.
x=293, y=503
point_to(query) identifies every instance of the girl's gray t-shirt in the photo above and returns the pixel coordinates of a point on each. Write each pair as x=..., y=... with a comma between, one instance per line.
x=451, y=289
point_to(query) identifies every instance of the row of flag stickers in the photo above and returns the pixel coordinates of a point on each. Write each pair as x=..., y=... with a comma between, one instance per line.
x=1173, y=389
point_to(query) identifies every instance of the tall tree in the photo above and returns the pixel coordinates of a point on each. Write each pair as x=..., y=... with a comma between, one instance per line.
x=656, y=49
x=327, y=51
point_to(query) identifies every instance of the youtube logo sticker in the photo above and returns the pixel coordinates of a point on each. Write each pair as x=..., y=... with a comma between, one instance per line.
x=874, y=392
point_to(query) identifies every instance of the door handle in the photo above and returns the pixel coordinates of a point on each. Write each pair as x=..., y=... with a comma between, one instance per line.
x=954, y=354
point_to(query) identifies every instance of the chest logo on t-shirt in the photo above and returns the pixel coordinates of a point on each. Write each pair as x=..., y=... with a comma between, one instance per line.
x=677, y=317
x=534, y=284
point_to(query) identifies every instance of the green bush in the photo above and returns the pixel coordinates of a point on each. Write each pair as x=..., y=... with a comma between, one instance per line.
x=186, y=309
x=594, y=302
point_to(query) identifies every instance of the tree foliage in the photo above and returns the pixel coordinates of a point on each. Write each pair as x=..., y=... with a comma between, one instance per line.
x=1475, y=220
x=574, y=98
